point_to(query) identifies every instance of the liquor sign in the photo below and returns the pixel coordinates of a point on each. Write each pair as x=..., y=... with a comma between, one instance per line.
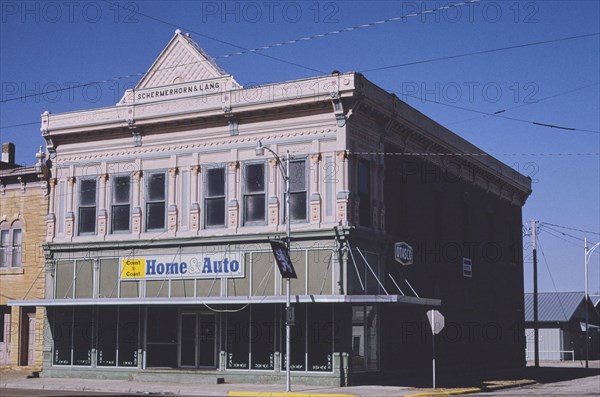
x=191, y=266
x=403, y=253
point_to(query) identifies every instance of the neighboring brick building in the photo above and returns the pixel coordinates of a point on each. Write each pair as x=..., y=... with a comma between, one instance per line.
x=23, y=210
x=159, y=223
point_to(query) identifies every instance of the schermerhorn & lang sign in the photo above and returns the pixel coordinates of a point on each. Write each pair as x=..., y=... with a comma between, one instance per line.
x=179, y=266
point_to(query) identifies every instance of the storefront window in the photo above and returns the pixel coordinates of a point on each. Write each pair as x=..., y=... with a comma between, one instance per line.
x=238, y=343
x=128, y=336
x=262, y=336
x=365, y=338
x=161, y=330
x=298, y=340
x=107, y=335
x=83, y=332
x=62, y=329
x=320, y=337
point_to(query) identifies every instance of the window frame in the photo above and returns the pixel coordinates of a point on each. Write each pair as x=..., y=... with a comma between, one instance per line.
x=306, y=189
x=245, y=194
x=206, y=197
x=81, y=206
x=8, y=250
x=365, y=211
x=148, y=175
x=113, y=203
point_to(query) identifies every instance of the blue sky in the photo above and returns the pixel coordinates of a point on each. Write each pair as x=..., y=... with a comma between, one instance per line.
x=56, y=45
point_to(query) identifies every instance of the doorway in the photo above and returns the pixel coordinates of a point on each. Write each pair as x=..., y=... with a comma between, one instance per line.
x=197, y=340
x=4, y=335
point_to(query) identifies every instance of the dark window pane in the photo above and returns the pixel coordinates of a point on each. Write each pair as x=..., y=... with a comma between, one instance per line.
x=107, y=336
x=297, y=176
x=156, y=187
x=128, y=336
x=62, y=328
x=254, y=208
x=215, y=212
x=82, y=336
x=237, y=343
x=364, y=178
x=215, y=182
x=155, y=216
x=255, y=178
x=87, y=220
x=120, y=218
x=121, y=190
x=298, y=206
x=87, y=192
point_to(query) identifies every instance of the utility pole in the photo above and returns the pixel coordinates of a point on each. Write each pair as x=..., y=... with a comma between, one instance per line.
x=535, y=297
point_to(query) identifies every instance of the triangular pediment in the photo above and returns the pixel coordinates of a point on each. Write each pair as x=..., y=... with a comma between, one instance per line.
x=182, y=61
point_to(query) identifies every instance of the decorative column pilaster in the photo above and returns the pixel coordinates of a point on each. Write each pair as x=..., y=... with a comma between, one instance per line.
x=172, y=206
x=315, y=196
x=136, y=214
x=342, y=192
x=233, y=206
x=195, y=207
x=102, y=215
x=273, y=197
x=70, y=216
x=51, y=218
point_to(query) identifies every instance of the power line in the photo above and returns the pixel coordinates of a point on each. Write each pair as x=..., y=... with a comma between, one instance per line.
x=570, y=228
x=527, y=104
x=479, y=52
x=499, y=115
x=551, y=278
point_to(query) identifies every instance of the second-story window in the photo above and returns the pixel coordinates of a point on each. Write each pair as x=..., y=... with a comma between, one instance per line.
x=156, y=201
x=214, y=197
x=5, y=246
x=121, y=204
x=11, y=242
x=254, y=194
x=87, y=206
x=364, y=193
x=298, y=191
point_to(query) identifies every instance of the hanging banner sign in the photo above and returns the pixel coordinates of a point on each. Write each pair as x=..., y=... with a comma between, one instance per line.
x=220, y=265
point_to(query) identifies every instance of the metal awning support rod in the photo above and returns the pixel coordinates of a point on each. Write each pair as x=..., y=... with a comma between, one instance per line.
x=411, y=288
x=356, y=267
x=396, y=284
x=371, y=269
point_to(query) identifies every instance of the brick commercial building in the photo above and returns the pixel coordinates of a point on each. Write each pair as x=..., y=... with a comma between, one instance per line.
x=23, y=210
x=163, y=209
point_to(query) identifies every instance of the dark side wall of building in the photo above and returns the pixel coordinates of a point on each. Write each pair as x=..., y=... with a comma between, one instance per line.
x=445, y=219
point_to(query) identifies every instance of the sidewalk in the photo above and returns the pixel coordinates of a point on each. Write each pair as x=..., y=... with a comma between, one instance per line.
x=14, y=379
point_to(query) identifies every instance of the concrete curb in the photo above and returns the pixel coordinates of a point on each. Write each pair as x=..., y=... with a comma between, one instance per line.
x=284, y=394
x=446, y=393
x=509, y=385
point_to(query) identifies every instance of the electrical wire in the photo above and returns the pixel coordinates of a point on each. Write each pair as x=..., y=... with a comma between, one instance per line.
x=570, y=228
x=551, y=278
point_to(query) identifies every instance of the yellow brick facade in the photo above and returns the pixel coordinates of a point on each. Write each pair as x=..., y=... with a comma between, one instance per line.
x=27, y=203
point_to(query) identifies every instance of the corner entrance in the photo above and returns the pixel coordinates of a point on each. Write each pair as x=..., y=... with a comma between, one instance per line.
x=197, y=340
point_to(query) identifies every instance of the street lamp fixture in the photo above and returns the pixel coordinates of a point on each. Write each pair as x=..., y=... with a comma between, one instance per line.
x=285, y=173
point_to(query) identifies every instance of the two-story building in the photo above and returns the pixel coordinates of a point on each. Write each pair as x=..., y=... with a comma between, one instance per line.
x=23, y=210
x=161, y=213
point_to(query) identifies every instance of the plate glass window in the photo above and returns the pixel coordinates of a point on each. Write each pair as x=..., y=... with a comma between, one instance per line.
x=121, y=204
x=87, y=206
x=155, y=201
x=214, y=197
x=254, y=194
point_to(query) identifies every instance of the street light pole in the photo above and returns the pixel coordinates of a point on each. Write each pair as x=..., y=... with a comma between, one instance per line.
x=587, y=255
x=285, y=173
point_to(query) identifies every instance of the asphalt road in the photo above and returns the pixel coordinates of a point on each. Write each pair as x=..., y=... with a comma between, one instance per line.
x=53, y=393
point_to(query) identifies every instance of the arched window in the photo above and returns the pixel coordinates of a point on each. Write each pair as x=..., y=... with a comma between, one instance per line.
x=11, y=242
